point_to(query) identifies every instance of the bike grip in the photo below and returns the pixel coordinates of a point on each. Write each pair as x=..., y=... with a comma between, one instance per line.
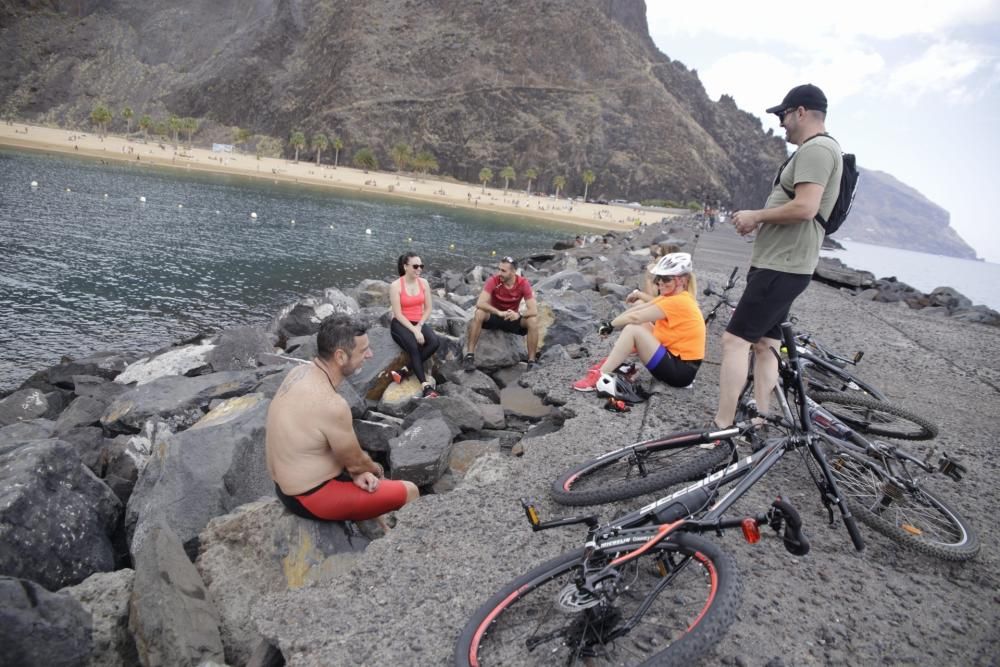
x=732, y=276
x=852, y=530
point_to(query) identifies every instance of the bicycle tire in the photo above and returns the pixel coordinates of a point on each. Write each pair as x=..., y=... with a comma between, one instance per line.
x=644, y=467
x=821, y=378
x=545, y=610
x=866, y=415
x=910, y=515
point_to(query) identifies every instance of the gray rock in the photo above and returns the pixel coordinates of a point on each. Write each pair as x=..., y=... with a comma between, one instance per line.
x=373, y=377
x=429, y=410
x=84, y=411
x=833, y=271
x=949, y=298
x=56, y=516
x=302, y=347
x=203, y=472
x=105, y=595
x=476, y=381
x=373, y=293
x=303, y=318
x=178, y=401
x=90, y=445
x=564, y=323
x=460, y=411
x=261, y=548
x=183, y=360
x=614, y=289
x=18, y=433
x=399, y=400
x=239, y=349
x=93, y=386
x=375, y=436
x=493, y=416
x=565, y=280
x=104, y=364
x=420, y=453
x=41, y=629
x=171, y=614
x=23, y=405
x=465, y=453
x=498, y=349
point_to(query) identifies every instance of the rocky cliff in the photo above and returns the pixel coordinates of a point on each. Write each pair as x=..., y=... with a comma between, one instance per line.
x=556, y=85
x=890, y=213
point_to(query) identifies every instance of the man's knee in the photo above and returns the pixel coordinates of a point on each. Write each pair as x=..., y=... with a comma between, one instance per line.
x=733, y=343
x=530, y=324
x=412, y=492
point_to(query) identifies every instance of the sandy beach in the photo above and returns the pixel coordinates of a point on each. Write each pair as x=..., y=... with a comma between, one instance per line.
x=152, y=153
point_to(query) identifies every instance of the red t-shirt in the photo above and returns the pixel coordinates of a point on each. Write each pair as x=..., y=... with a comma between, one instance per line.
x=508, y=298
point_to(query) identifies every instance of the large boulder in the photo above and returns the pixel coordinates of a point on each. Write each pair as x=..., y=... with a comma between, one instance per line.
x=950, y=298
x=420, y=454
x=93, y=386
x=105, y=596
x=564, y=321
x=457, y=409
x=16, y=434
x=56, y=517
x=498, y=349
x=210, y=469
x=373, y=377
x=106, y=365
x=83, y=411
x=171, y=614
x=373, y=293
x=178, y=401
x=23, y=405
x=303, y=318
x=41, y=629
x=261, y=548
x=569, y=280
x=240, y=348
x=184, y=360
x=835, y=272
x=374, y=434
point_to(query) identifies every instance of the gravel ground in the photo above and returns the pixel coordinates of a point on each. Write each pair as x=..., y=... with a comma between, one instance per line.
x=410, y=595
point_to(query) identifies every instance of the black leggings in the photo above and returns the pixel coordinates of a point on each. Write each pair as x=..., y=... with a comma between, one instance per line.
x=418, y=354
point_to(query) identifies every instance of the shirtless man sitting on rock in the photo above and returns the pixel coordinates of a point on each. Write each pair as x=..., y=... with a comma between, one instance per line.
x=318, y=467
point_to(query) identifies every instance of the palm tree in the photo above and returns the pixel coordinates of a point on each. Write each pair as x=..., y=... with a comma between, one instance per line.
x=241, y=136
x=189, y=125
x=507, y=174
x=269, y=147
x=298, y=142
x=161, y=129
x=425, y=162
x=320, y=142
x=588, y=178
x=559, y=182
x=101, y=116
x=485, y=176
x=531, y=174
x=365, y=159
x=174, y=124
x=145, y=122
x=338, y=145
x=127, y=114
x=402, y=155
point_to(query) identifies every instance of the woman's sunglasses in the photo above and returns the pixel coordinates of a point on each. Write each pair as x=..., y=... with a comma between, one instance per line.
x=417, y=266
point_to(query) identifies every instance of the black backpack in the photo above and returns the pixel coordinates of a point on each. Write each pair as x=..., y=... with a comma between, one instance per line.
x=849, y=177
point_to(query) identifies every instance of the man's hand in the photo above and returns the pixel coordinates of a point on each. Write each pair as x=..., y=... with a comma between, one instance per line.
x=367, y=481
x=746, y=221
x=511, y=315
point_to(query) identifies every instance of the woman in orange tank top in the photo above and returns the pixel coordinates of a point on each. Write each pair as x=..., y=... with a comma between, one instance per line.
x=410, y=298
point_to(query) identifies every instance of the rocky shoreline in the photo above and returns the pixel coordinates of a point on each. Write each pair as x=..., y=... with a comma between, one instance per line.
x=139, y=527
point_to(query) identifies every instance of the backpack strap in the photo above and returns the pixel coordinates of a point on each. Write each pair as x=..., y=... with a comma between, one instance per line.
x=790, y=193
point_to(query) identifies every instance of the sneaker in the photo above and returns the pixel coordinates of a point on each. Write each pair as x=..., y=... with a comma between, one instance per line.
x=597, y=366
x=469, y=363
x=531, y=364
x=589, y=381
x=429, y=392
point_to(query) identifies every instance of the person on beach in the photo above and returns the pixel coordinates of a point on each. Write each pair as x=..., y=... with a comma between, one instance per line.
x=785, y=250
x=318, y=468
x=666, y=331
x=498, y=307
x=410, y=299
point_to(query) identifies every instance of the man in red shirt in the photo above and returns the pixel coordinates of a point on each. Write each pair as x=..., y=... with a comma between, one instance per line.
x=498, y=307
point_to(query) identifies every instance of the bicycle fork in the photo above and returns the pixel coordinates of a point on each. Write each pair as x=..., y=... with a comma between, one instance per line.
x=830, y=494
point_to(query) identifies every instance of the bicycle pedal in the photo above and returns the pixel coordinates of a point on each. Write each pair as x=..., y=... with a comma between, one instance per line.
x=951, y=468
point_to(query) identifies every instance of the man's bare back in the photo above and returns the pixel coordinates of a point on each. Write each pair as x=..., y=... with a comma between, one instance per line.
x=303, y=415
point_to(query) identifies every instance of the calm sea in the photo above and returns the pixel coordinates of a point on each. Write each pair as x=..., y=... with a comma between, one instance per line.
x=980, y=281
x=85, y=267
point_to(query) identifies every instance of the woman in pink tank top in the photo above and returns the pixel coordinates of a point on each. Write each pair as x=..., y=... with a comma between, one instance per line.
x=410, y=298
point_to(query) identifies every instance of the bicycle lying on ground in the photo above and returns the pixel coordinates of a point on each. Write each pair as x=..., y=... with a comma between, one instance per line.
x=647, y=587
x=826, y=371
x=881, y=479
x=722, y=297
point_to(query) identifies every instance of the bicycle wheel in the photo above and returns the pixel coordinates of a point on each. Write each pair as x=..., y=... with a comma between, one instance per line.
x=641, y=468
x=867, y=415
x=903, y=512
x=821, y=378
x=668, y=605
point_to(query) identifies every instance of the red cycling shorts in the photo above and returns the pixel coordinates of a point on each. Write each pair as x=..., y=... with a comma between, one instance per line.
x=338, y=500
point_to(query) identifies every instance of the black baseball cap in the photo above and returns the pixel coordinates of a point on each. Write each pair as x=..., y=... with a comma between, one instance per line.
x=806, y=95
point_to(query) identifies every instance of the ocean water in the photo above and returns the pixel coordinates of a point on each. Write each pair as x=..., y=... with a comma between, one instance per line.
x=86, y=267
x=979, y=281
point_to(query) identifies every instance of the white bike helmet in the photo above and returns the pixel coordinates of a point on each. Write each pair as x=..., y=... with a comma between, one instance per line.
x=674, y=264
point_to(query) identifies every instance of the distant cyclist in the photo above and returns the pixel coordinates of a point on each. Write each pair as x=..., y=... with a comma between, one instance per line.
x=666, y=331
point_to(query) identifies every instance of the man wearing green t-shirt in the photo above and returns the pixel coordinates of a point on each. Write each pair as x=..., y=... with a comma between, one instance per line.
x=785, y=250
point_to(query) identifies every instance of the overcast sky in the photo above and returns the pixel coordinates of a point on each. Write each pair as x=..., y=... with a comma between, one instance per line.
x=913, y=86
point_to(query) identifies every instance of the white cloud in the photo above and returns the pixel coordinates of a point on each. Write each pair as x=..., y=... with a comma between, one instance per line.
x=846, y=20
x=945, y=69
